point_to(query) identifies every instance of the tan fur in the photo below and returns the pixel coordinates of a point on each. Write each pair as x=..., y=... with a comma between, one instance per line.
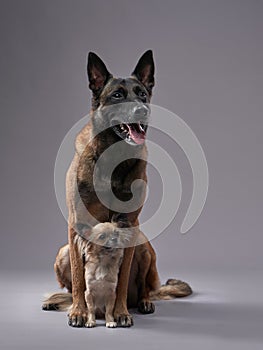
x=102, y=264
x=172, y=289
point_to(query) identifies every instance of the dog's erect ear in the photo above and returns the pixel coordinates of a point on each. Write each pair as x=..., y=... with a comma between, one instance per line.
x=121, y=220
x=84, y=230
x=97, y=73
x=144, y=71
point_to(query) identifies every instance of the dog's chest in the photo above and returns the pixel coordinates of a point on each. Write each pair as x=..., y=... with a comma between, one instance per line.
x=101, y=279
x=105, y=179
x=103, y=273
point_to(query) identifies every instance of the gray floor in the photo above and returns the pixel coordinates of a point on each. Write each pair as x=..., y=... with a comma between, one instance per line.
x=225, y=312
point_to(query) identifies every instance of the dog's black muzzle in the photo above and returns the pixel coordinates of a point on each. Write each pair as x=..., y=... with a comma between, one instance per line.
x=129, y=121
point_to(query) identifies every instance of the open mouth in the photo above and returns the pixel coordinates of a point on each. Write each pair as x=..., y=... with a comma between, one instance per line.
x=109, y=249
x=133, y=133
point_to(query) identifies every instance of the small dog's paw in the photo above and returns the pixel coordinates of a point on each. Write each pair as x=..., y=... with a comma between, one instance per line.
x=124, y=320
x=111, y=324
x=90, y=324
x=77, y=317
x=146, y=307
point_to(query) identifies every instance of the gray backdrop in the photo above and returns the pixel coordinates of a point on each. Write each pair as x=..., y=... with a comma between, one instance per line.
x=208, y=57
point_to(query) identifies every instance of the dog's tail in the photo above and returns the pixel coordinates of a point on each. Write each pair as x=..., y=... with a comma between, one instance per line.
x=172, y=289
x=57, y=302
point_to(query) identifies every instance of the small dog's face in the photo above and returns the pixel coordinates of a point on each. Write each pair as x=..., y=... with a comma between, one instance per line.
x=111, y=235
x=122, y=105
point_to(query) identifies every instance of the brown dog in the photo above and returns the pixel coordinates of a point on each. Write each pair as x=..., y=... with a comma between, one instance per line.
x=126, y=121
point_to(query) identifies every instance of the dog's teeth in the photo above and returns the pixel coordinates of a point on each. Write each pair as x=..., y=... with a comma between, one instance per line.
x=122, y=127
x=140, y=127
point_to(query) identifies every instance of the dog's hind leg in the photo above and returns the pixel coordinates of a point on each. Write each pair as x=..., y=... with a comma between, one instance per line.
x=62, y=268
x=61, y=301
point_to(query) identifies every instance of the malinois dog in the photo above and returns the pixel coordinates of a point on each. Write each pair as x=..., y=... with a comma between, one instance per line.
x=120, y=113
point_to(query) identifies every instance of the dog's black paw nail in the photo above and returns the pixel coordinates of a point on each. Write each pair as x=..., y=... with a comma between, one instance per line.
x=146, y=307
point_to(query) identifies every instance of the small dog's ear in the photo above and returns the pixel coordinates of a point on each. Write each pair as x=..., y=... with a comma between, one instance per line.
x=97, y=73
x=144, y=71
x=83, y=230
x=121, y=220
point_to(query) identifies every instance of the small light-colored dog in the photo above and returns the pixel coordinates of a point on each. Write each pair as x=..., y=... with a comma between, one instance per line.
x=103, y=258
x=102, y=253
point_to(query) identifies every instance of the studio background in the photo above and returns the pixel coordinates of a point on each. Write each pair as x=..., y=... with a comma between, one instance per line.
x=208, y=57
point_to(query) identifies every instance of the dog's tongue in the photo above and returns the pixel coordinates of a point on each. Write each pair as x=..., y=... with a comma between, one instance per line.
x=138, y=136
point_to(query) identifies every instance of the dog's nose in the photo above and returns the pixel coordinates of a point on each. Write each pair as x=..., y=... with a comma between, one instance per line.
x=140, y=112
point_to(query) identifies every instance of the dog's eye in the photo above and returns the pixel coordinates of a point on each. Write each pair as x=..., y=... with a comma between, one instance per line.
x=142, y=94
x=102, y=236
x=117, y=95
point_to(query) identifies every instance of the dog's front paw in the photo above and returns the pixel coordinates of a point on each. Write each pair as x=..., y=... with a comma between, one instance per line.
x=111, y=324
x=77, y=317
x=146, y=307
x=90, y=324
x=124, y=319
